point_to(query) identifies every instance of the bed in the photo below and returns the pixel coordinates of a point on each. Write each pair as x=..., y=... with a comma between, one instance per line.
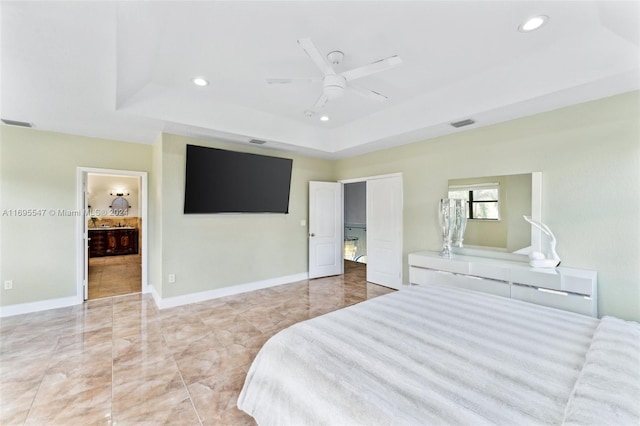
x=430, y=355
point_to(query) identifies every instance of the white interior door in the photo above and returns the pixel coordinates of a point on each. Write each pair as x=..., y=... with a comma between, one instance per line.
x=325, y=229
x=384, y=231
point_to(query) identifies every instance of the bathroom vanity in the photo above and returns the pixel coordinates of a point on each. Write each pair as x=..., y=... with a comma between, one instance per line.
x=113, y=241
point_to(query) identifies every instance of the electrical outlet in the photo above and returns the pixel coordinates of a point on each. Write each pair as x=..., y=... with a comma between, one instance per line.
x=172, y=278
x=8, y=285
x=303, y=222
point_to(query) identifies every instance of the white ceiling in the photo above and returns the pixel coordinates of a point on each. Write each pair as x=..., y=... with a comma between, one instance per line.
x=122, y=69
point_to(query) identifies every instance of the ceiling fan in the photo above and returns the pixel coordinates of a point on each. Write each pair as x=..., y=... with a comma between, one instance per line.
x=333, y=83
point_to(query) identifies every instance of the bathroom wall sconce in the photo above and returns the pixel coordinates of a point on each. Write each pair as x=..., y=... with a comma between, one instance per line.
x=119, y=194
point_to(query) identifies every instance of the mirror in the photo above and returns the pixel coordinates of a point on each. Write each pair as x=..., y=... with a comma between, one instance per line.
x=508, y=235
x=119, y=206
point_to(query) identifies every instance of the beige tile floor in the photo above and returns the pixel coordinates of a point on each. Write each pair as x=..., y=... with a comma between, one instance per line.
x=114, y=275
x=121, y=360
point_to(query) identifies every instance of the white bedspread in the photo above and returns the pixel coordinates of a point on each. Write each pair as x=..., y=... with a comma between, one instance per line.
x=421, y=356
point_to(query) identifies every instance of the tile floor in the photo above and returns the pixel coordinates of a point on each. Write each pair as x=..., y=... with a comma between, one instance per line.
x=121, y=360
x=114, y=275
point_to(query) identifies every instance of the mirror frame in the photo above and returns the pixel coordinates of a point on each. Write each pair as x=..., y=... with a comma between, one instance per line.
x=536, y=234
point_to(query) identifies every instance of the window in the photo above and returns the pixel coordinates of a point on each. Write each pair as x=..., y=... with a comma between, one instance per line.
x=482, y=200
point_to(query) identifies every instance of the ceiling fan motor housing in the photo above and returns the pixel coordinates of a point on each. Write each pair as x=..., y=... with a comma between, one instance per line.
x=333, y=85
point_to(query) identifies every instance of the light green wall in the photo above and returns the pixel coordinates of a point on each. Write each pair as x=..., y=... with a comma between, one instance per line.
x=204, y=251
x=38, y=171
x=155, y=218
x=207, y=252
x=589, y=155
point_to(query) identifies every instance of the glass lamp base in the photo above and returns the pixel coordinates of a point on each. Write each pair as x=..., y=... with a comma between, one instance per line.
x=446, y=251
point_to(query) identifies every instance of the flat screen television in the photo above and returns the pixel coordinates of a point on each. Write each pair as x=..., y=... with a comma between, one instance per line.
x=221, y=181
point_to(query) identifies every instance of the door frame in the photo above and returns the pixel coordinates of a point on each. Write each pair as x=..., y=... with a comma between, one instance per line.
x=369, y=178
x=82, y=258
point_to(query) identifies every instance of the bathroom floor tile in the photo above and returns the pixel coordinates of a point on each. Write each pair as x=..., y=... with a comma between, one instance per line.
x=114, y=276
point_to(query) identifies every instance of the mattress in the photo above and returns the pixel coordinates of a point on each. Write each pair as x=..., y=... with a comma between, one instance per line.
x=427, y=355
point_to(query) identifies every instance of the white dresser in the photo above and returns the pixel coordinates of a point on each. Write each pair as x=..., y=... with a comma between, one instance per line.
x=569, y=289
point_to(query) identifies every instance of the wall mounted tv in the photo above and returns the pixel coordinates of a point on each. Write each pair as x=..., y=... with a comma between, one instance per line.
x=221, y=181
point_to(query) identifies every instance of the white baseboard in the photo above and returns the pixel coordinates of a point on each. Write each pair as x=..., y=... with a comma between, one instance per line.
x=42, y=305
x=169, y=302
x=185, y=299
x=156, y=297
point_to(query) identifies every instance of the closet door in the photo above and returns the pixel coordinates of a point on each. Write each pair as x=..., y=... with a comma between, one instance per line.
x=384, y=231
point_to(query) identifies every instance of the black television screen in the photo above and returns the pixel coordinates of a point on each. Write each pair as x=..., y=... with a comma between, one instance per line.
x=221, y=181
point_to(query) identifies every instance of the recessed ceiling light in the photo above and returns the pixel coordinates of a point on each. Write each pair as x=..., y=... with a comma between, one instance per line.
x=324, y=118
x=533, y=23
x=199, y=81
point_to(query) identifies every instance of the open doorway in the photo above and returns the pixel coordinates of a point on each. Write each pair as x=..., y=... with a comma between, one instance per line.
x=383, y=227
x=380, y=232
x=112, y=243
x=355, y=225
x=114, y=233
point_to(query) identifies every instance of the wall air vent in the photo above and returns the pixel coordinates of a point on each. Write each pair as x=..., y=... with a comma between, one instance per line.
x=257, y=141
x=16, y=123
x=463, y=123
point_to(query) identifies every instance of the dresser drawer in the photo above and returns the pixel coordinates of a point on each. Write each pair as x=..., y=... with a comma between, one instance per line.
x=436, y=262
x=536, y=277
x=555, y=299
x=422, y=276
x=484, y=270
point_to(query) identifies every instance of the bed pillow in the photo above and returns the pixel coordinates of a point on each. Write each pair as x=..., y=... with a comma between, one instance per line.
x=607, y=391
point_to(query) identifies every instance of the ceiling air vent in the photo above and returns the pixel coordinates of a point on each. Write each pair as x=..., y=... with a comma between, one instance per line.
x=463, y=123
x=16, y=123
x=257, y=141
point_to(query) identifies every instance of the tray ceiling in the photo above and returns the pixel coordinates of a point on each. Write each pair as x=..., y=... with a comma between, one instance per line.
x=124, y=70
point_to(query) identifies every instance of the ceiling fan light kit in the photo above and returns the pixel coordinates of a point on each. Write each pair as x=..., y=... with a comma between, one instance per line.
x=334, y=84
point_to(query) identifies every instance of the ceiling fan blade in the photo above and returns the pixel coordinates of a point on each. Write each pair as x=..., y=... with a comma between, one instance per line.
x=369, y=94
x=374, y=67
x=315, y=55
x=290, y=80
x=322, y=100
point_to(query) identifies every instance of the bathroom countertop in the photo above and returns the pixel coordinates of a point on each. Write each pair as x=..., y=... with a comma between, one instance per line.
x=110, y=228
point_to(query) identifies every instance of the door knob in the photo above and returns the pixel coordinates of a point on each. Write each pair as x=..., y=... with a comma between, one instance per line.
x=312, y=234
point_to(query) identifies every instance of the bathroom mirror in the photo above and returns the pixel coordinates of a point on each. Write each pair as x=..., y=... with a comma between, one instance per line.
x=509, y=236
x=120, y=206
